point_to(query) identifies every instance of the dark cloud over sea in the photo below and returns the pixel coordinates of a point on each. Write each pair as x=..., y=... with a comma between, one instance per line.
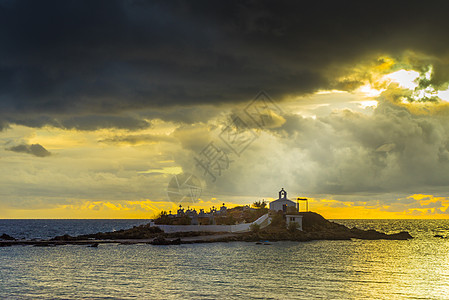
x=66, y=62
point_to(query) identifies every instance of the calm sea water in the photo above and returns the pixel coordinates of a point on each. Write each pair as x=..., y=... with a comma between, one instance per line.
x=415, y=269
x=46, y=229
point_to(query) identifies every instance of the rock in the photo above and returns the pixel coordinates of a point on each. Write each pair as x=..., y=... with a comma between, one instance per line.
x=316, y=227
x=135, y=233
x=7, y=237
x=403, y=235
x=375, y=235
x=176, y=242
x=127, y=243
x=45, y=245
x=163, y=241
x=64, y=237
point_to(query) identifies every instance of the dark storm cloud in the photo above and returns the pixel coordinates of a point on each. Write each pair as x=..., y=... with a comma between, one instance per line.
x=93, y=122
x=61, y=59
x=86, y=122
x=34, y=149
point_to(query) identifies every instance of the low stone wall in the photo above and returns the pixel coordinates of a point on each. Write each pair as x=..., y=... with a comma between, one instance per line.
x=263, y=221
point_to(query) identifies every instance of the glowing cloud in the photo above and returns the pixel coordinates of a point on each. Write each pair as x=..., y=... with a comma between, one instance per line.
x=405, y=79
x=369, y=91
x=443, y=95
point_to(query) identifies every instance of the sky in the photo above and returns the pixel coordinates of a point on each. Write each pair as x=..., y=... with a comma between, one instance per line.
x=121, y=109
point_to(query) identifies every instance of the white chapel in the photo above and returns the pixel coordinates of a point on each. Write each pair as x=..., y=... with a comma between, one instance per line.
x=282, y=202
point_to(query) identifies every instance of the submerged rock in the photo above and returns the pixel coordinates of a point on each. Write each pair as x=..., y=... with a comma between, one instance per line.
x=45, y=245
x=163, y=241
x=64, y=237
x=375, y=235
x=403, y=235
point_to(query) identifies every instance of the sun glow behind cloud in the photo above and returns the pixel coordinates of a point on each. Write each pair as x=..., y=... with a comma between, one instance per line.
x=405, y=79
x=408, y=80
x=369, y=91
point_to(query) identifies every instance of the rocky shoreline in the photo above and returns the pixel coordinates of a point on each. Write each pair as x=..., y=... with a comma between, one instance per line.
x=315, y=227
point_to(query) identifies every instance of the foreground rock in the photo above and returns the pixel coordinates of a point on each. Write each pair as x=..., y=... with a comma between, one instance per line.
x=315, y=227
x=137, y=232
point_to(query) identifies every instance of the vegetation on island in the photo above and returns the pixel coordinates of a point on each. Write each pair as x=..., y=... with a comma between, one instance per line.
x=230, y=216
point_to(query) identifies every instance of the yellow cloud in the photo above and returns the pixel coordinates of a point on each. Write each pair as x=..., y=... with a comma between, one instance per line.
x=164, y=170
x=144, y=209
x=334, y=209
x=386, y=64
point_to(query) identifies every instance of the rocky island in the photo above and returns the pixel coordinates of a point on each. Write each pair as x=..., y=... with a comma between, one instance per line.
x=314, y=227
x=281, y=221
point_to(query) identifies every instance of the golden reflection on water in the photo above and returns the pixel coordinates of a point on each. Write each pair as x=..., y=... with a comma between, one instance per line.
x=284, y=270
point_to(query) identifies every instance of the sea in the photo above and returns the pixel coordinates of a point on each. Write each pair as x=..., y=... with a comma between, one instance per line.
x=353, y=269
